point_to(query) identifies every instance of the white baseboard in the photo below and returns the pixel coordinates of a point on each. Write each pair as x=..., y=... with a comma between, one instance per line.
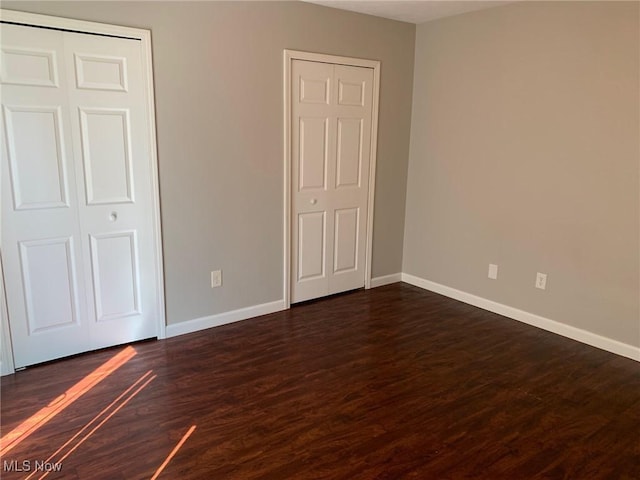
x=553, y=326
x=202, y=323
x=386, y=280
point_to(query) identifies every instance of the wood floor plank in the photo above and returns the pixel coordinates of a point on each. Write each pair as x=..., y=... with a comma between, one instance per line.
x=393, y=382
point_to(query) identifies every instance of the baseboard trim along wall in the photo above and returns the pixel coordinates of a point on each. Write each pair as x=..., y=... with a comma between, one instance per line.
x=202, y=323
x=386, y=280
x=209, y=321
x=547, y=324
x=553, y=326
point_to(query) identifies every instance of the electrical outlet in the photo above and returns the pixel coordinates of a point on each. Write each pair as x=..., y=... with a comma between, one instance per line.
x=493, y=271
x=216, y=278
x=541, y=281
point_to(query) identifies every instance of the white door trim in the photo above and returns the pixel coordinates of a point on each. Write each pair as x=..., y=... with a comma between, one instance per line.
x=6, y=354
x=289, y=57
x=145, y=37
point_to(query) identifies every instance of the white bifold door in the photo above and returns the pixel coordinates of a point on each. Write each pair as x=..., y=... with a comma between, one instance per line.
x=77, y=205
x=331, y=109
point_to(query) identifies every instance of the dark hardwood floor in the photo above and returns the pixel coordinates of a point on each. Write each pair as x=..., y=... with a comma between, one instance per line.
x=393, y=382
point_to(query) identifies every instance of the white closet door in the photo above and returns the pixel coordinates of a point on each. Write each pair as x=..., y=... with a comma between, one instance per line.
x=41, y=239
x=76, y=193
x=331, y=136
x=350, y=184
x=110, y=131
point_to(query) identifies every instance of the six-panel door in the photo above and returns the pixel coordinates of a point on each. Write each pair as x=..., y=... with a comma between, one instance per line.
x=76, y=193
x=331, y=137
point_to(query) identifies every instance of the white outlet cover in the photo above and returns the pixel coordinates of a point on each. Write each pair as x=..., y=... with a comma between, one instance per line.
x=493, y=271
x=541, y=281
x=216, y=278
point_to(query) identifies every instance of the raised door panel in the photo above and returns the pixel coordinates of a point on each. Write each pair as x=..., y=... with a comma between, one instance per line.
x=101, y=72
x=346, y=240
x=314, y=89
x=349, y=154
x=28, y=66
x=106, y=155
x=355, y=88
x=38, y=173
x=313, y=153
x=351, y=92
x=311, y=246
x=116, y=275
x=49, y=284
x=46, y=300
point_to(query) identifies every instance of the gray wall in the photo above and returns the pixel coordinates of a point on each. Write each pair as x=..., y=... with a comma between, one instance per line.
x=218, y=85
x=525, y=153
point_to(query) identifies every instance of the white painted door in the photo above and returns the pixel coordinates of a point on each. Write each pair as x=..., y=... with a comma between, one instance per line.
x=77, y=232
x=331, y=136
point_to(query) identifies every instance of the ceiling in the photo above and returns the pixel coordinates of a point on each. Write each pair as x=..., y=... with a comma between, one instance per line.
x=416, y=11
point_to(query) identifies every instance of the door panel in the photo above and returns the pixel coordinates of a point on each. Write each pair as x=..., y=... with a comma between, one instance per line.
x=29, y=66
x=349, y=152
x=346, y=240
x=351, y=92
x=331, y=135
x=315, y=87
x=106, y=154
x=114, y=262
x=101, y=72
x=38, y=173
x=50, y=284
x=311, y=246
x=314, y=137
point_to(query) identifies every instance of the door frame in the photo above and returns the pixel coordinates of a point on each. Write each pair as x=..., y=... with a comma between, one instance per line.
x=289, y=57
x=144, y=36
x=6, y=350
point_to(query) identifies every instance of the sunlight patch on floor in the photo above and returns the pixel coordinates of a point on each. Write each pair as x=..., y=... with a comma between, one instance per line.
x=141, y=383
x=173, y=452
x=40, y=418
